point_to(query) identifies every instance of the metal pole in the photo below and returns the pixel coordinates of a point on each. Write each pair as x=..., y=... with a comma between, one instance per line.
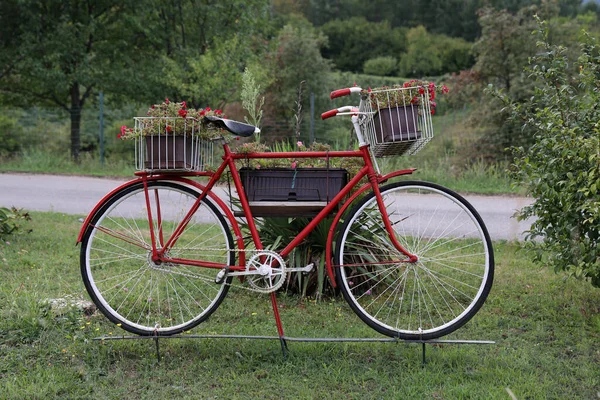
x=101, y=100
x=312, y=117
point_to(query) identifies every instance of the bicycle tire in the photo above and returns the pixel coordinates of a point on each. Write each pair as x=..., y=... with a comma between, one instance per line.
x=139, y=295
x=435, y=295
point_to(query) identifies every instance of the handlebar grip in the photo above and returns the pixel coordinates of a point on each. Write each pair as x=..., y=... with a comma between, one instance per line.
x=340, y=93
x=329, y=114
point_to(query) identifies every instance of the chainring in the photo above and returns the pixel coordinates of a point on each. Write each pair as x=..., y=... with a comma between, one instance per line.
x=268, y=269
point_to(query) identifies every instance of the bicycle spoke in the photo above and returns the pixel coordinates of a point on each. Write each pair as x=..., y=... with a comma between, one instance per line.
x=125, y=280
x=442, y=289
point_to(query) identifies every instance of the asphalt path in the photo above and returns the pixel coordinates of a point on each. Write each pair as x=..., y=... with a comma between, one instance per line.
x=77, y=195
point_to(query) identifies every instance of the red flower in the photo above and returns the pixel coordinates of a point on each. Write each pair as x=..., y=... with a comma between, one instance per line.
x=202, y=113
x=421, y=90
x=207, y=109
x=119, y=136
x=182, y=113
x=169, y=129
x=414, y=100
x=123, y=129
x=183, y=105
x=218, y=112
x=445, y=89
x=432, y=111
x=431, y=96
x=167, y=100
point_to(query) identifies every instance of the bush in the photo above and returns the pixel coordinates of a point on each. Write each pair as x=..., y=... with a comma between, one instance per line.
x=381, y=66
x=9, y=220
x=10, y=136
x=561, y=170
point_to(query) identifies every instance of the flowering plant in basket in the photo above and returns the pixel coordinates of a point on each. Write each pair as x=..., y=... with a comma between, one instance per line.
x=175, y=119
x=411, y=93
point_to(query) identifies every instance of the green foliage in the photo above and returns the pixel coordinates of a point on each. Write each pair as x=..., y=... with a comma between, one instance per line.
x=250, y=100
x=422, y=58
x=381, y=66
x=429, y=55
x=504, y=47
x=131, y=49
x=9, y=220
x=10, y=135
x=502, y=53
x=561, y=169
x=294, y=57
x=354, y=41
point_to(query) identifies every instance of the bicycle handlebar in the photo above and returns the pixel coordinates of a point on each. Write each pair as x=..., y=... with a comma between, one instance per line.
x=329, y=114
x=344, y=92
x=335, y=111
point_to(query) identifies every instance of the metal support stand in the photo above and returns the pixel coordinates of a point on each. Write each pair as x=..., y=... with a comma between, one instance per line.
x=157, y=349
x=284, y=339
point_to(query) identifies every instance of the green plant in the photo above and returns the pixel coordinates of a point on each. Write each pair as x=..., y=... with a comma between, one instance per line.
x=252, y=102
x=9, y=220
x=381, y=66
x=413, y=92
x=172, y=118
x=561, y=169
x=351, y=164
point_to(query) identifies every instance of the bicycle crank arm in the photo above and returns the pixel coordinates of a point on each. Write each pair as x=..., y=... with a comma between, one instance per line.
x=226, y=273
x=307, y=269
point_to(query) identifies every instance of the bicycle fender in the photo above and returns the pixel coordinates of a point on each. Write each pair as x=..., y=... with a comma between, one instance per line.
x=220, y=203
x=345, y=206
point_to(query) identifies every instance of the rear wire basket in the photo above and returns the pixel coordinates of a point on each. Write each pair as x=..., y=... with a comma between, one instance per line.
x=164, y=144
x=396, y=121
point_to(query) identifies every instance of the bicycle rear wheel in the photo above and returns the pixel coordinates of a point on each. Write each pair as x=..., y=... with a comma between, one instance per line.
x=142, y=296
x=435, y=295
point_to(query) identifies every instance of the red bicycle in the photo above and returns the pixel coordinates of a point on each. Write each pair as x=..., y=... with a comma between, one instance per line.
x=413, y=259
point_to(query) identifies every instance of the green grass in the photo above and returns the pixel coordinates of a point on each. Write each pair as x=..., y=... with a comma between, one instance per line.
x=546, y=329
x=38, y=161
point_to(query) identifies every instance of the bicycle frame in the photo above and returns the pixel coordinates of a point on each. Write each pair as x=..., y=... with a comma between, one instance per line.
x=160, y=246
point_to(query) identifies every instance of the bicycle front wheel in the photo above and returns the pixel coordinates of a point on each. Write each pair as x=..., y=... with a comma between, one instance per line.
x=142, y=296
x=433, y=296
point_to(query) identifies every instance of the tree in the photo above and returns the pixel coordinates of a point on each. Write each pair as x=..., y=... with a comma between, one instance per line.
x=354, y=41
x=422, y=57
x=295, y=57
x=504, y=46
x=561, y=169
x=60, y=52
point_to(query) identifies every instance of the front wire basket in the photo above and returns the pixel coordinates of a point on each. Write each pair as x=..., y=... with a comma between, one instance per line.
x=396, y=121
x=164, y=144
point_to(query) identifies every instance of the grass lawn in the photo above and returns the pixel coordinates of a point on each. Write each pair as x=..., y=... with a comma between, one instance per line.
x=546, y=329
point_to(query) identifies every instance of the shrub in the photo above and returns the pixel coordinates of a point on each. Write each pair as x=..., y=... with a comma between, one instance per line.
x=381, y=66
x=10, y=136
x=561, y=169
x=9, y=220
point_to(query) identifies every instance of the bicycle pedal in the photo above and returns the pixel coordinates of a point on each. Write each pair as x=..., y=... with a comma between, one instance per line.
x=220, y=278
x=308, y=268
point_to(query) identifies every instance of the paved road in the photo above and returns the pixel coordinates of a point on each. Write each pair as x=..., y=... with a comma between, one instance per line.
x=78, y=195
